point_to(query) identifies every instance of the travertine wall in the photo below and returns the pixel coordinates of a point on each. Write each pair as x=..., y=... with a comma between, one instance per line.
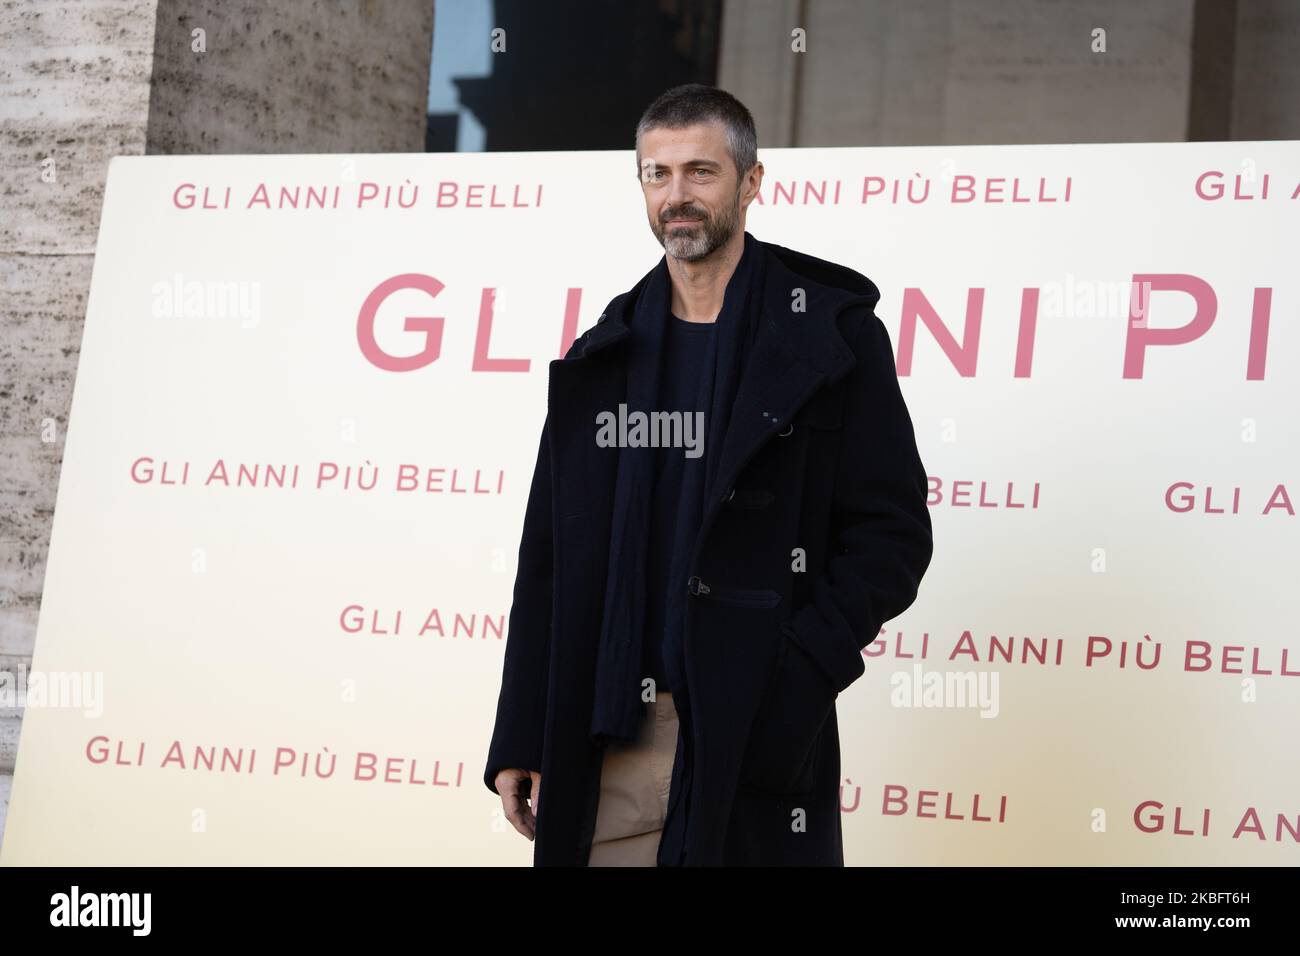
x=1266, y=86
x=927, y=72
x=74, y=91
x=312, y=76
x=81, y=82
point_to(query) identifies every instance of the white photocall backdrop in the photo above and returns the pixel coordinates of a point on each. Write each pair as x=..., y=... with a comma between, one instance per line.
x=303, y=426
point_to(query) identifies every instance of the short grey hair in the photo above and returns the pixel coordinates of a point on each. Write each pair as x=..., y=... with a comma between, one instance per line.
x=695, y=103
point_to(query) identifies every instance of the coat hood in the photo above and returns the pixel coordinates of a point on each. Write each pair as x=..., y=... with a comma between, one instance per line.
x=826, y=273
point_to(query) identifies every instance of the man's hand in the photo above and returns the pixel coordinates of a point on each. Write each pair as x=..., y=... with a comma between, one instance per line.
x=510, y=784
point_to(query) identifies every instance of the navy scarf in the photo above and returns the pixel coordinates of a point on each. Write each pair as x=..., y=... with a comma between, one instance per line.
x=618, y=707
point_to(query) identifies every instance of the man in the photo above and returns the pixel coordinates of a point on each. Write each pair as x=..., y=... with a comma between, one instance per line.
x=682, y=626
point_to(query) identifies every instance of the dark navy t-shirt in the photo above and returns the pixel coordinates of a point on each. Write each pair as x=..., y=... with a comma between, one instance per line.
x=686, y=350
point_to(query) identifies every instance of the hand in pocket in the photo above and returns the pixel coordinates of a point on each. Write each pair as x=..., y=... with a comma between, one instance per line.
x=778, y=755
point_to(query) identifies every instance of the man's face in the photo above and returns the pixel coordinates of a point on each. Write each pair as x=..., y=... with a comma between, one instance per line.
x=693, y=195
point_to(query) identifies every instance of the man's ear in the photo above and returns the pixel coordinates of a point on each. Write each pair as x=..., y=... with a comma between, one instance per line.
x=756, y=174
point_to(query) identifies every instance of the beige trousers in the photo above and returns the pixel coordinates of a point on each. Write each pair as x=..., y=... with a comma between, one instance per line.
x=634, y=782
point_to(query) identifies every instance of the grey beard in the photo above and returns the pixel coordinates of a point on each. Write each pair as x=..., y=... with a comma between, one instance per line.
x=707, y=237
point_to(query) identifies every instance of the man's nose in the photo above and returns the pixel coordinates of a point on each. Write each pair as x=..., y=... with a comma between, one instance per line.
x=679, y=194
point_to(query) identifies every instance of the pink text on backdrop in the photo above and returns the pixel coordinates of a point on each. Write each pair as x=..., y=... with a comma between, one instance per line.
x=963, y=355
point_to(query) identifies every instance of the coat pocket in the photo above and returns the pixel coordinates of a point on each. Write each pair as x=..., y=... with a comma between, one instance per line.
x=780, y=755
x=824, y=411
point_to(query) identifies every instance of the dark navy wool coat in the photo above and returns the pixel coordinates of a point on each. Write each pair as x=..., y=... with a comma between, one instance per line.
x=819, y=460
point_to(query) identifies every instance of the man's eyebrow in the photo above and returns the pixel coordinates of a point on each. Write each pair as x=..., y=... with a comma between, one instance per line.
x=710, y=164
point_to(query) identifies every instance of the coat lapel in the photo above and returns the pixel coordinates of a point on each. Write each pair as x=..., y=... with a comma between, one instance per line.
x=794, y=353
